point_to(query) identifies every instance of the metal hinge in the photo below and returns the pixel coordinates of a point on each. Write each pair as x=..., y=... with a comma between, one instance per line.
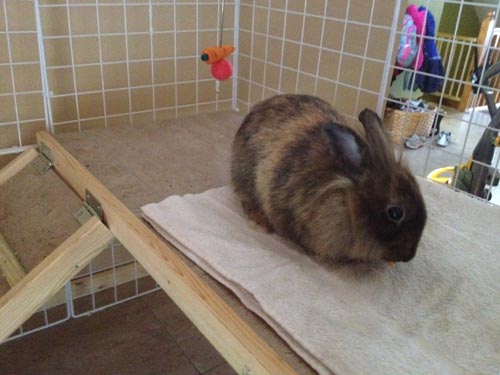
x=91, y=207
x=44, y=161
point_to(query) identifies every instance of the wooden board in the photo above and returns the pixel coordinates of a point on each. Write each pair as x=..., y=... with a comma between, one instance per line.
x=51, y=274
x=9, y=264
x=231, y=336
x=17, y=164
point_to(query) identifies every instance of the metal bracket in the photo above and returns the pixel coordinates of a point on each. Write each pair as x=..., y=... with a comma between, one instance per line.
x=91, y=207
x=45, y=160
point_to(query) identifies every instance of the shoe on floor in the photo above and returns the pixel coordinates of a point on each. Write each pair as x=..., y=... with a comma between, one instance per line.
x=443, y=139
x=414, y=142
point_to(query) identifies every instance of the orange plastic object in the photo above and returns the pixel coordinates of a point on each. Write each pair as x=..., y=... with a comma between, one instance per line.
x=211, y=55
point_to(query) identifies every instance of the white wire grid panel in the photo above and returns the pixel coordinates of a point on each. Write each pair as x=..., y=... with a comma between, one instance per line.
x=79, y=64
x=466, y=128
x=329, y=48
x=344, y=51
x=336, y=50
x=154, y=48
x=48, y=316
x=21, y=94
x=111, y=278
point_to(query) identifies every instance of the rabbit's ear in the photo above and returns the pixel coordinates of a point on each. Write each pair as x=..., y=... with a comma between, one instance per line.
x=380, y=149
x=347, y=148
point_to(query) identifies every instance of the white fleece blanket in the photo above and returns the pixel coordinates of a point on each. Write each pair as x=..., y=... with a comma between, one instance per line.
x=438, y=314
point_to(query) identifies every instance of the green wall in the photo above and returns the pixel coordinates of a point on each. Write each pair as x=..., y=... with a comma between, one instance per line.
x=469, y=23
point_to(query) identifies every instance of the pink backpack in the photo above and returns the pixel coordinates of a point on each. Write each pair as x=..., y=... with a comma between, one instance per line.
x=411, y=39
x=408, y=46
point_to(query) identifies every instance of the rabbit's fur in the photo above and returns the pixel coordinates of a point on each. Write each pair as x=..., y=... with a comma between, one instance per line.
x=302, y=172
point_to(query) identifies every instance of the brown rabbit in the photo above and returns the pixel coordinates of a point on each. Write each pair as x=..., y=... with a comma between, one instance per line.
x=302, y=172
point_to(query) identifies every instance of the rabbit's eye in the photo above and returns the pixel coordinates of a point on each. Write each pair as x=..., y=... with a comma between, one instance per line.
x=395, y=213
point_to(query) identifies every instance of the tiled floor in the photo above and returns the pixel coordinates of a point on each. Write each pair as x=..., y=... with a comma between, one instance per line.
x=148, y=335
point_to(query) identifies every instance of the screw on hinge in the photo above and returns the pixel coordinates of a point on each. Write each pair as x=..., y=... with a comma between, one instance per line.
x=45, y=160
x=91, y=207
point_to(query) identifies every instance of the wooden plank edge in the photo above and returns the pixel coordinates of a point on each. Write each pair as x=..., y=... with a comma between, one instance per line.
x=17, y=164
x=24, y=299
x=9, y=264
x=242, y=348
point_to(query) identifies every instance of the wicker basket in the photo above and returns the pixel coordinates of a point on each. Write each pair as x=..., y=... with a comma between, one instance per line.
x=399, y=125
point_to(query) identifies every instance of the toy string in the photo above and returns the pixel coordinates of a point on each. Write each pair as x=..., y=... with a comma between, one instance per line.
x=221, y=23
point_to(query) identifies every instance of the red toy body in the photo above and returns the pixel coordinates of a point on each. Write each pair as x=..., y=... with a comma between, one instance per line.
x=222, y=70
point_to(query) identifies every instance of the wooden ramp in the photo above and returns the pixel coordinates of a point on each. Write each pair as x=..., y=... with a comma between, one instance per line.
x=229, y=334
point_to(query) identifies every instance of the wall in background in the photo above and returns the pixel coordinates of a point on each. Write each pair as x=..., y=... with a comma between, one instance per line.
x=436, y=8
x=106, y=63
x=469, y=23
x=110, y=61
x=21, y=97
x=334, y=49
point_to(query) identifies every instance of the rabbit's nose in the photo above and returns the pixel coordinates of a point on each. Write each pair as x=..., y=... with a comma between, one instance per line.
x=408, y=254
x=402, y=254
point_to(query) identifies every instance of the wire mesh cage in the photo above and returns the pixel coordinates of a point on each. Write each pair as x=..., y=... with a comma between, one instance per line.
x=113, y=277
x=48, y=316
